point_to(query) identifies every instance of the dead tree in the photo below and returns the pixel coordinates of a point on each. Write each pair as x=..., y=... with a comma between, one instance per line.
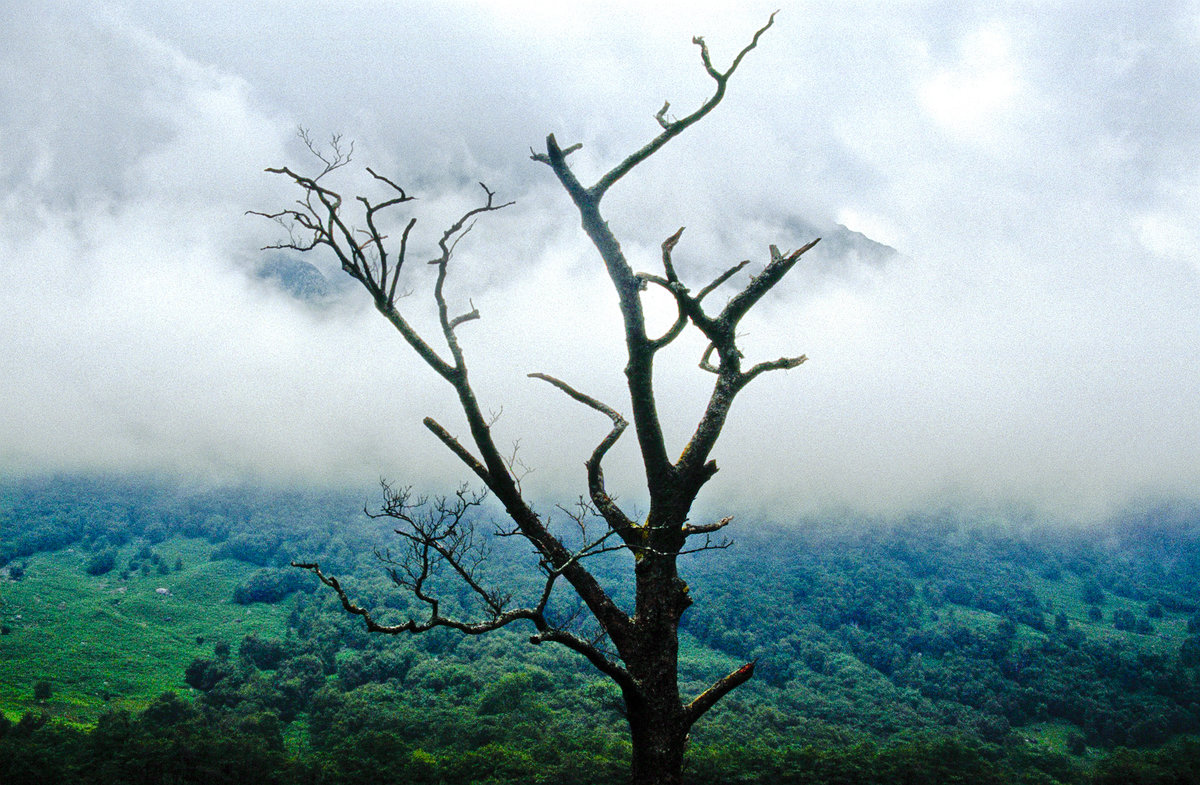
x=637, y=648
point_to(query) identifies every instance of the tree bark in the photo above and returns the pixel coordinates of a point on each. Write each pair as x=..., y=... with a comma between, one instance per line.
x=658, y=745
x=658, y=721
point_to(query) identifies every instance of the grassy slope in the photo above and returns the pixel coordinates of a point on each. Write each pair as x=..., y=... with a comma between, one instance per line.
x=93, y=637
x=97, y=636
x=1066, y=595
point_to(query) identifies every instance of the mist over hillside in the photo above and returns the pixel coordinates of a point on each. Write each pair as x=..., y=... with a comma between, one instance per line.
x=1029, y=347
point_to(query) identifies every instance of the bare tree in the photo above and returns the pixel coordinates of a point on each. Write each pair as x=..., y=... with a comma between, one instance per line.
x=637, y=648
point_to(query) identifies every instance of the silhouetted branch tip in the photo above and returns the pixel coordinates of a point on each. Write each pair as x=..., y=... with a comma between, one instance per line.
x=661, y=115
x=708, y=527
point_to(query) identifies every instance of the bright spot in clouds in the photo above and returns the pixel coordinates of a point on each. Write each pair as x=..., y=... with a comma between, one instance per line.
x=973, y=92
x=1167, y=236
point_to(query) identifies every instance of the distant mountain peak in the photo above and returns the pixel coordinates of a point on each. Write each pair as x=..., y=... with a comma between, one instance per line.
x=296, y=277
x=840, y=244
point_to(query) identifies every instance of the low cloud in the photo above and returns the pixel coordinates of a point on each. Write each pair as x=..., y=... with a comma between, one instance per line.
x=1030, y=342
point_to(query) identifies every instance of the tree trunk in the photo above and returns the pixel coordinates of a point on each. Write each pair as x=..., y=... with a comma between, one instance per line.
x=657, y=719
x=658, y=744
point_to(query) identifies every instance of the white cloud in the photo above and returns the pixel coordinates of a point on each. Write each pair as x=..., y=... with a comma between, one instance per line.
x=970, y=96
x=1035, y=344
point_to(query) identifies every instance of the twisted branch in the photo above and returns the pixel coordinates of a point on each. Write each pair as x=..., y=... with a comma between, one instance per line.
x=612, y=514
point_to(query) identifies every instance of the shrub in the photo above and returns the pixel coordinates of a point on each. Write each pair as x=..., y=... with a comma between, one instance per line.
x=262, y=654
x=1124, y=620
x=102, y=562
x=1189, y=651
x=269, y=585
x=258, y=549
x=204, y=674
x=1193, y=625
x=1092, y=593
x=1076, y=743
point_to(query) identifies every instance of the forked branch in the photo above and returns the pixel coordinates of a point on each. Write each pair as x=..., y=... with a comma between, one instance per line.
x=759, y=285
x=612, y=514
x=440, y=534
x=671, y=129
x=319, y=219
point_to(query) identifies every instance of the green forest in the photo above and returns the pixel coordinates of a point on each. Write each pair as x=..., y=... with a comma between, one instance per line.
x=155, y=633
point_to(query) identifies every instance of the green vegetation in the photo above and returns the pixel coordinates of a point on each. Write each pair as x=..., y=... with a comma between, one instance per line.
x=110, y=642
x=928, y=651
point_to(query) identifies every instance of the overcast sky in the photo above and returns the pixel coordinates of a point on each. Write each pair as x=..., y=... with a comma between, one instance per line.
x=1034, y=345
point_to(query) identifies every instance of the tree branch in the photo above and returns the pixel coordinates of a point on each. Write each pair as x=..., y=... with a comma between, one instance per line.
x=661, y=115
x=707, y=699
x=320, y=214
x=440, y=533
x=693, y=462
x=456, y=447
x=447, y=244
x=588, y=650
x=440, y=528
x=673, y=129
x=759, y=285
x=672, y=285
x=612, y=514
x=434, y=620
x=782, y=364
x=708, y=528
x=720, y=279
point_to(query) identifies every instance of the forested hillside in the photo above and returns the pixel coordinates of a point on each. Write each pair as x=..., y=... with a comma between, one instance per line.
x=154, y=633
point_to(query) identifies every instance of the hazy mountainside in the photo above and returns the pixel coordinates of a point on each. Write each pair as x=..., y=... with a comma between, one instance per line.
x=296, y=277
x=840, y=252
x=1004, y=655
x=840, y=247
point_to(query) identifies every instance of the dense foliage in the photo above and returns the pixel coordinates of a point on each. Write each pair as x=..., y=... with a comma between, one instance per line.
x=932, y=650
